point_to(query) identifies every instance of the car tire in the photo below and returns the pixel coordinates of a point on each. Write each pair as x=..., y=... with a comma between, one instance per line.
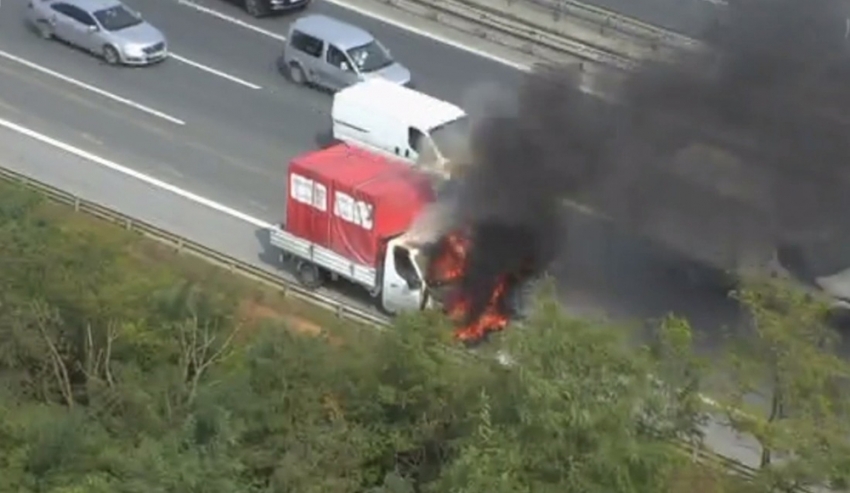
x=255, y=8
x=45, y=30
x=309, y=275
x=110, y=55
x=296, y=74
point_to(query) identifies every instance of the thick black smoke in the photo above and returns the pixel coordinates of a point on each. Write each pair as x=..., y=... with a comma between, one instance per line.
x=771, y=94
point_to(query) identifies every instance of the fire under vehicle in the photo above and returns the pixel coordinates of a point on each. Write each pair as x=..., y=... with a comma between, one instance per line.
x=373, y=220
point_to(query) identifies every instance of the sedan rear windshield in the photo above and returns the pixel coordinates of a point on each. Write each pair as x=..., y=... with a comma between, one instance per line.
x=117, y=18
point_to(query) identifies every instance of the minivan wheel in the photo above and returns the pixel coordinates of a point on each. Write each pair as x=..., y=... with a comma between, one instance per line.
x=255, y=8
x=110, y=54
x=45, y=30
x=296, y=74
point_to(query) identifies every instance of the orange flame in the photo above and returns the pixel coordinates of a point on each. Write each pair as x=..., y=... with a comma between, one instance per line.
x=449, y=266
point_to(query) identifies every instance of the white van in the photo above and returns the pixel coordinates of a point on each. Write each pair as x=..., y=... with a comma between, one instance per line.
x=391, y=119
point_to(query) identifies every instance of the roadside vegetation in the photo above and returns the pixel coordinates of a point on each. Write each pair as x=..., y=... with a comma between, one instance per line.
x=125, y=367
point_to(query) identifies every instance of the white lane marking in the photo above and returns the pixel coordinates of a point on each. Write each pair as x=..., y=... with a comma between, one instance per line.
x=213, y=71
x=354, y=7
x=91, y=88
x=232, y=20
x=44, y=139
x=106, y=163
x=367, y=13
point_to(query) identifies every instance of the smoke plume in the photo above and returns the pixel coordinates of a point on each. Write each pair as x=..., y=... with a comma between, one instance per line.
x=746, y=141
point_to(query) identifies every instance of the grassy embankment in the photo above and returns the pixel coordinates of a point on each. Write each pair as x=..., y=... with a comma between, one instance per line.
x=136, y=268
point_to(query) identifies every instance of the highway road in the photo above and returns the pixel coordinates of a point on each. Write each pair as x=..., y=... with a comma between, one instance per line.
x=217, y=119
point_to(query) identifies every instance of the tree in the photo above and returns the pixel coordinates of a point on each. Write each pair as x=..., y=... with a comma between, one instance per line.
x=680, y=375
x=414, y=392
x=787, y=362
x=131, y=374
x=579, y=411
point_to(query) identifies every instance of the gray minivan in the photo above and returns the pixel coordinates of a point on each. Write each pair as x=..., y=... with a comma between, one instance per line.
x=332, y=54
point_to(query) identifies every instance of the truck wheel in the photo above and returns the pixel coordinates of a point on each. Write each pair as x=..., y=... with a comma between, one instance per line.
x=379, y=304
x=309, y=275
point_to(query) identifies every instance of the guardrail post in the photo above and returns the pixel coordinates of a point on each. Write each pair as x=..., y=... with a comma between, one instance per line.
x=180, y=245
x=76, y=204
x=128, y=223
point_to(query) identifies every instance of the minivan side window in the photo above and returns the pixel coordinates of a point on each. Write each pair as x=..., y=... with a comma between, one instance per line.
x=414, y=138
x=337, y=58
x=306, y=43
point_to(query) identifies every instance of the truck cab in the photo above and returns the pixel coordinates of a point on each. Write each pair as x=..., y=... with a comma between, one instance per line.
x=404, y=287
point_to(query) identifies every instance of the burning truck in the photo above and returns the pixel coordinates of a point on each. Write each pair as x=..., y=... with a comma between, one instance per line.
x=375, y=221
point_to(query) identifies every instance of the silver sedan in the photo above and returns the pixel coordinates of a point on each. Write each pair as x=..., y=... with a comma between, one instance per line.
x=106, y=28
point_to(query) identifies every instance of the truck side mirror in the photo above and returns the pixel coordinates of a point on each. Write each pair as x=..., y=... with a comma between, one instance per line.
x=414, y=283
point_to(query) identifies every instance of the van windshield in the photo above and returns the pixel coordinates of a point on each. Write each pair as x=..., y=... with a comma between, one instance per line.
x=451, y=137
x=370, y=57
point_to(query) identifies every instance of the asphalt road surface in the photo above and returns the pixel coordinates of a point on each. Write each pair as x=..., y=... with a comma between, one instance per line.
x=218, y=120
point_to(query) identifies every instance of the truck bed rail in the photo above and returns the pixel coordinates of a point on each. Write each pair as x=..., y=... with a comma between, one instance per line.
x=323, y=257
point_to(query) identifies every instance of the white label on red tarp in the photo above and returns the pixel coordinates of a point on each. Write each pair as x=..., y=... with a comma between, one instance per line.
x=346, y=207
x=307, y=191
x=354, y=211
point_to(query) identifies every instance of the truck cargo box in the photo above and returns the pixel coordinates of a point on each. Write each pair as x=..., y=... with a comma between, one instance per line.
x=350, y=201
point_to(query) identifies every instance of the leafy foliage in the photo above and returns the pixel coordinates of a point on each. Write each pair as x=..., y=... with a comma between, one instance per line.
x=787, y=375
x=126, y=371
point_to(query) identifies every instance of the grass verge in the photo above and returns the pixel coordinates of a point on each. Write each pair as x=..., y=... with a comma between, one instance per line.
x=258, y=303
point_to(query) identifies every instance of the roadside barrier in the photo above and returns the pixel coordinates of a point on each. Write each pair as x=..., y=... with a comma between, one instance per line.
x=340, y=309
x=497, y=22
x=607, y=22
x=184, y=245
x=513, y=32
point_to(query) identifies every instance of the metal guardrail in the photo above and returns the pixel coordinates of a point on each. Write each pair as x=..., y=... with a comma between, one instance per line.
x=484, y=19
x=608, y=20
x=512, y=32
x=184, y=245
x=287, y=288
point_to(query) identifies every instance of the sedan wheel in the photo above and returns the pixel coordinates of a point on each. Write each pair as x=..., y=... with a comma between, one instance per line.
x=45, y=30
x=110, y=54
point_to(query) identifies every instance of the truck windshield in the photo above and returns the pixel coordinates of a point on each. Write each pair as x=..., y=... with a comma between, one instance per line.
x=370, y=57
x=405, y=267
x=451, y=137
